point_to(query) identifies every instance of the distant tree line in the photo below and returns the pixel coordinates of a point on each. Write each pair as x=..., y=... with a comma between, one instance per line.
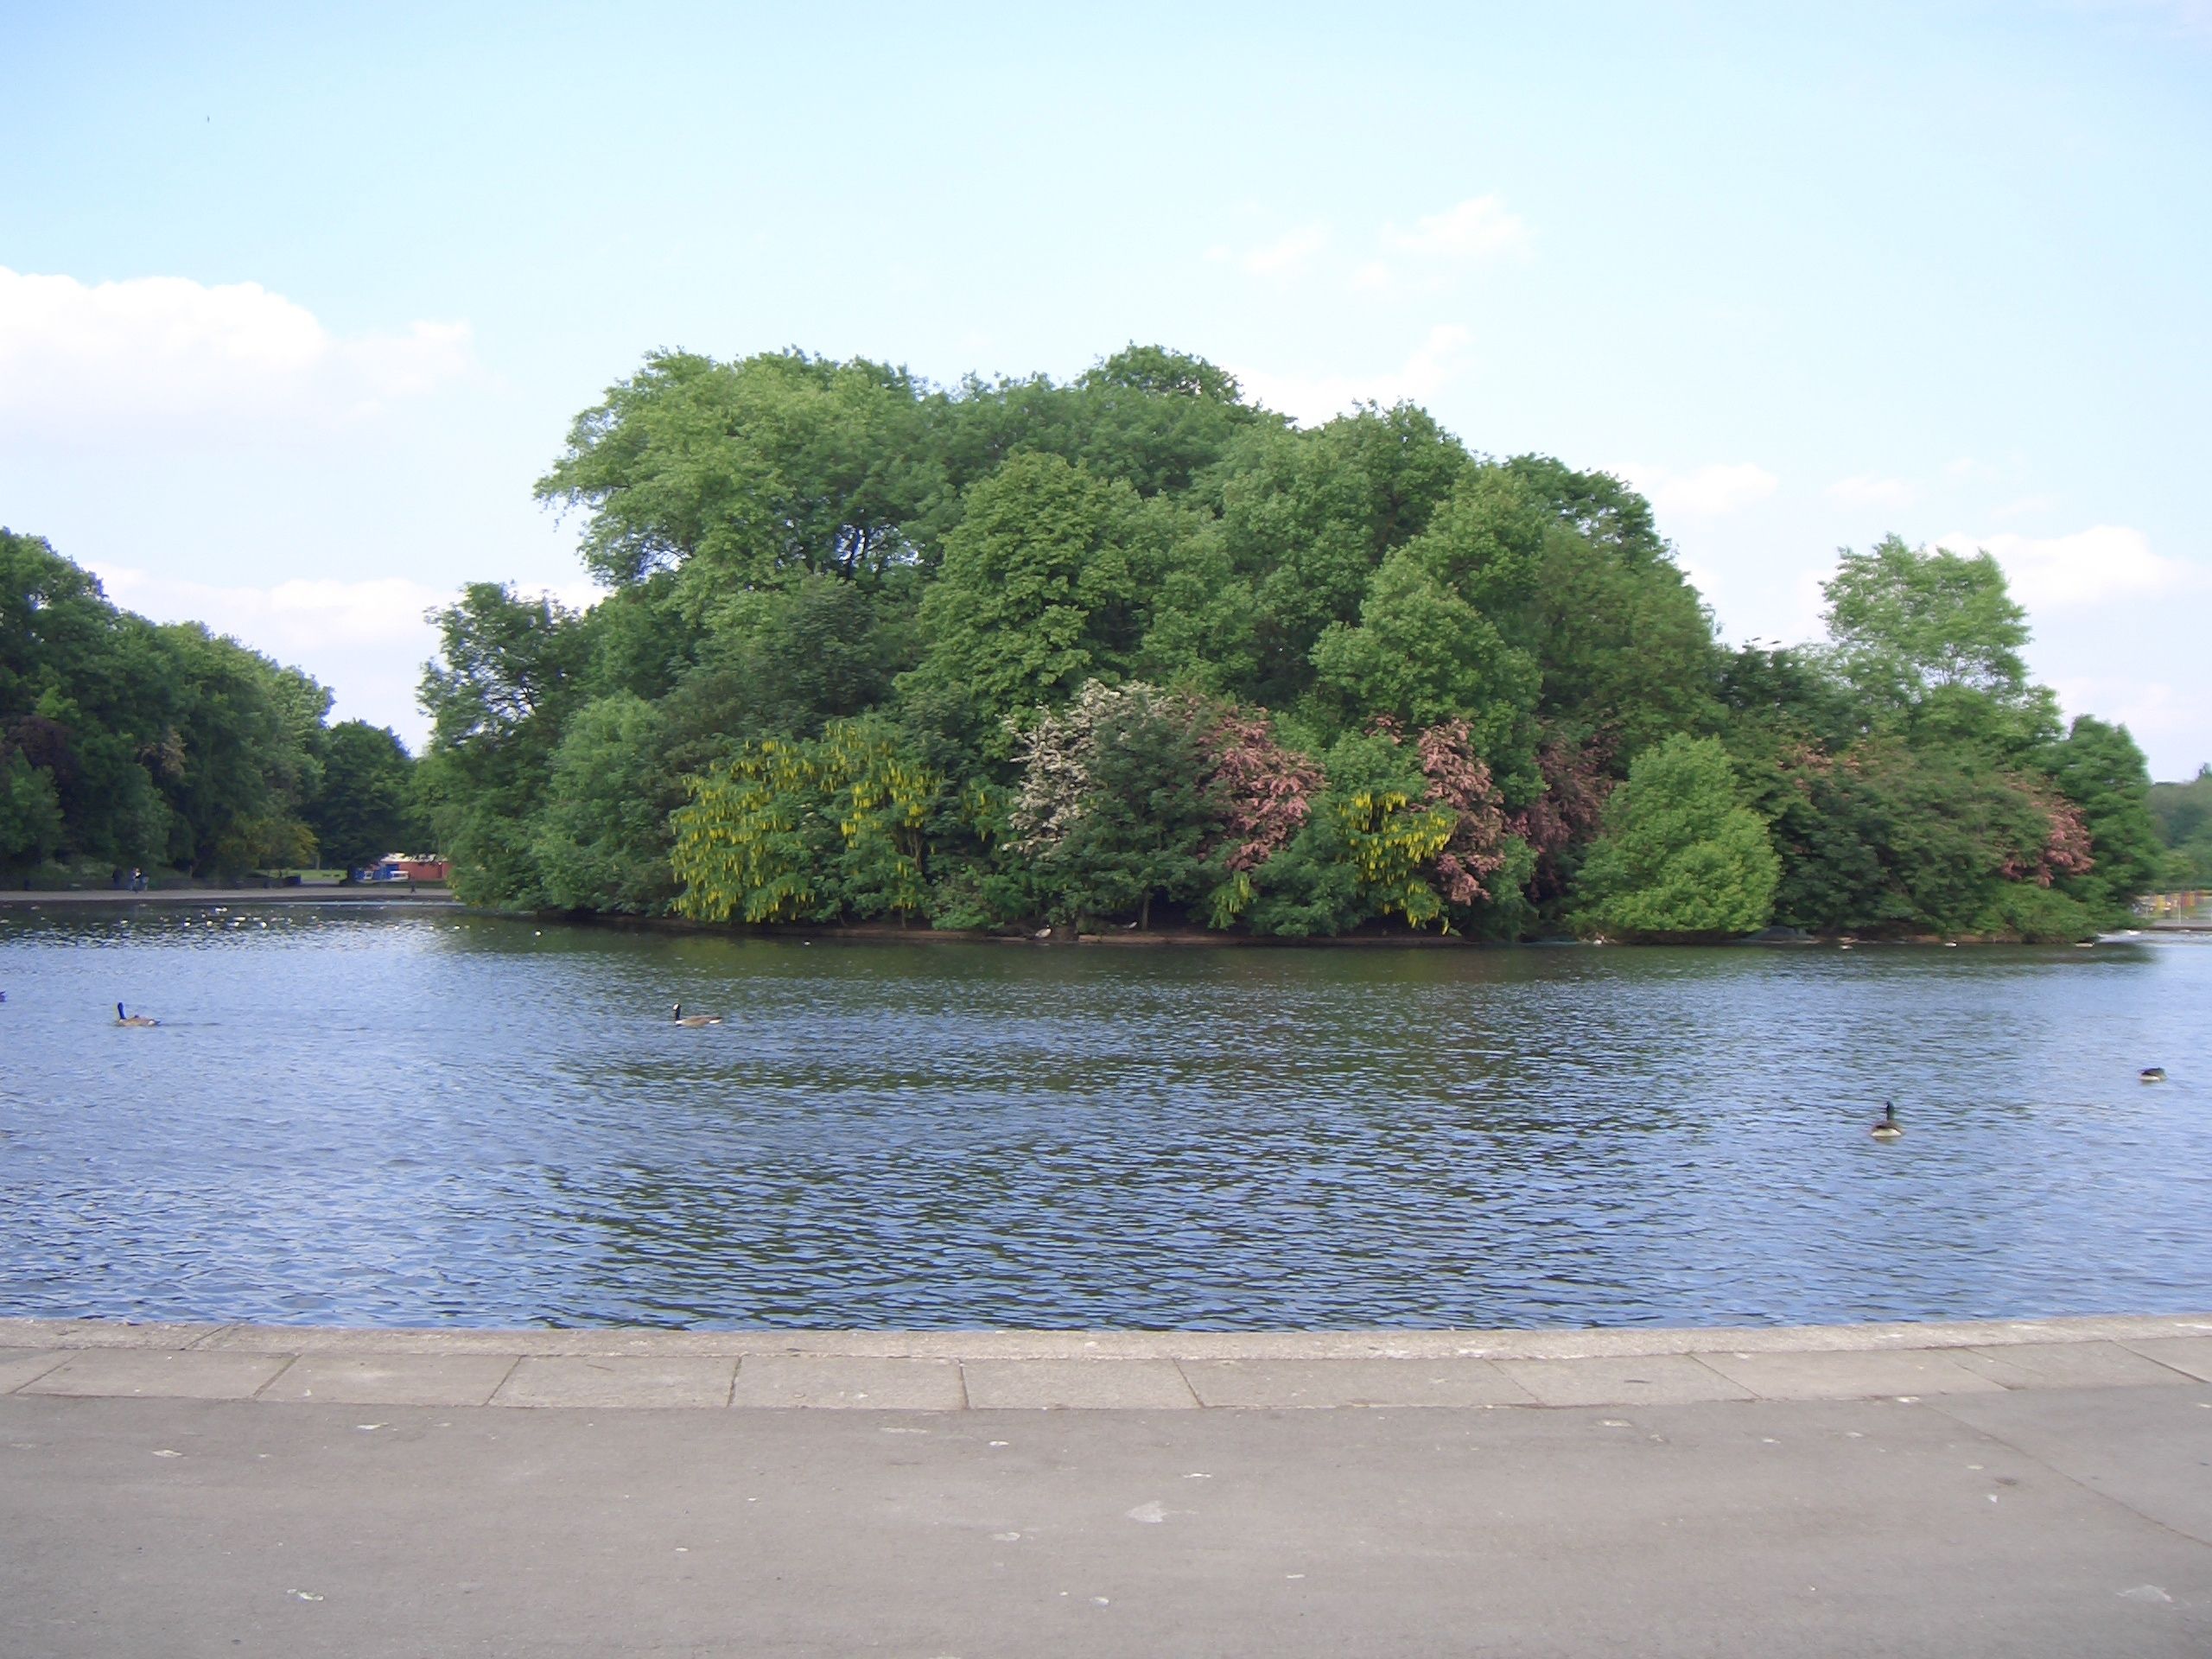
x=1133, y=649
x=125, y=744
x=2184, y=812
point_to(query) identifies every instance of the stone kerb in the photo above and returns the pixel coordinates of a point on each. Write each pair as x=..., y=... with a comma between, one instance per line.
x=1140, y=1370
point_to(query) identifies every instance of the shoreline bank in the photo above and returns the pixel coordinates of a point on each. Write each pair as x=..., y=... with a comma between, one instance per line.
x=20, y=900
x=1208, y=938
x=1191, y=939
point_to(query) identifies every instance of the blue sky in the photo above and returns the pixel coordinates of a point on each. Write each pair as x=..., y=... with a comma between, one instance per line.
x=294, y=308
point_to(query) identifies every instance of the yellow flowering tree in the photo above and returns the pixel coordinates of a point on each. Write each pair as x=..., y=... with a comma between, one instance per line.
x=791, y=831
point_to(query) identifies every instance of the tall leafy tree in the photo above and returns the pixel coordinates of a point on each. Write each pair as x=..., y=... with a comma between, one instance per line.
x=1933, y=641
x=1431, y=642
x=1040, y=588
x=508, y=675
x=2100, y=770
x=777, y=464
x=363, y=807
x=603, y=839
x=1680, y=853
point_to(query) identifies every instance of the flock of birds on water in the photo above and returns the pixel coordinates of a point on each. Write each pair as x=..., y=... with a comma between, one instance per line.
x=1885, y=1127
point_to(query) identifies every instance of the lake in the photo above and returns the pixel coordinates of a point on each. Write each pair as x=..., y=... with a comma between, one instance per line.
x=398, y=1115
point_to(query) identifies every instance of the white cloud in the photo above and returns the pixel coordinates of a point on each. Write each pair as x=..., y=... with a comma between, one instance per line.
x=1310, y=399
x=368, y=639
x=1288, y=254
x=2091, y=567
x=2168, y=723
x=301, y=615
x=1709, y=491
x=1480, y=228
x=169, y=352
x=1478, y=231
x=1867, y=490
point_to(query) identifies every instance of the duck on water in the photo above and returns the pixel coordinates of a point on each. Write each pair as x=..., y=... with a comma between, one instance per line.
x=684, y=1018
x=1886, y=1128
x=123, y=1018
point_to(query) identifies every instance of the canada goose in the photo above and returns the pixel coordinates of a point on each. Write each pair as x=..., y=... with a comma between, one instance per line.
x=123, y=1018
x=684, y=1018
x=1888, y=1128
x=2152, y=1074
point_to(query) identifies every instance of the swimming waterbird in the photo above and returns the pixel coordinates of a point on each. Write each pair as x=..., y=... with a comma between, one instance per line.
x=1888, y=1128
x=2152, y=1074
x=123, y=1018
x=684, y=1018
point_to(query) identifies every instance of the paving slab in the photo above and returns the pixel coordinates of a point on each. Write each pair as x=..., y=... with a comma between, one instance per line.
x=832, y=1381
x=21, y=1366
x=617, y=1381
x=2148, y=1450
x=1846, y=1375
x=393, y=1379
x=2069, y=1365
x=2190, y=1354
x=1650, y=1380
x=1076, y=1384
x=1323, y=1384
x=185, y=1375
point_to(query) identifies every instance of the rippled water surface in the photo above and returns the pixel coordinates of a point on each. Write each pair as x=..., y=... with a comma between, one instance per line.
x=407, y=1116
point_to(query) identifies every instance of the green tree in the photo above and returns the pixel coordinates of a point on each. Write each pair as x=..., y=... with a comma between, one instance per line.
x=1429, y=646
x=2184, y=815
x=2098, y=768
x=602, y=837
x=807, y=831
x=746, y=470
x=1114, y=805
x=243, y=726
x=509, y=674
x=1307, y=517
x=1038, y=590
x=363, y=805
x=30, y=811
x=1933, y=641
x=1625, y=643
x=1680, y=854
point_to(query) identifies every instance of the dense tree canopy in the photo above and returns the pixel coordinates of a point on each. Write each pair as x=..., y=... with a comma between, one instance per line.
x=124, y=744
x=1105, y=652
x=2183, y=813
x=1122, y=649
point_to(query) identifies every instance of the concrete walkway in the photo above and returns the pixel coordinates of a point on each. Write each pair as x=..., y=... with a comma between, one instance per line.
x=2017, y=1488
